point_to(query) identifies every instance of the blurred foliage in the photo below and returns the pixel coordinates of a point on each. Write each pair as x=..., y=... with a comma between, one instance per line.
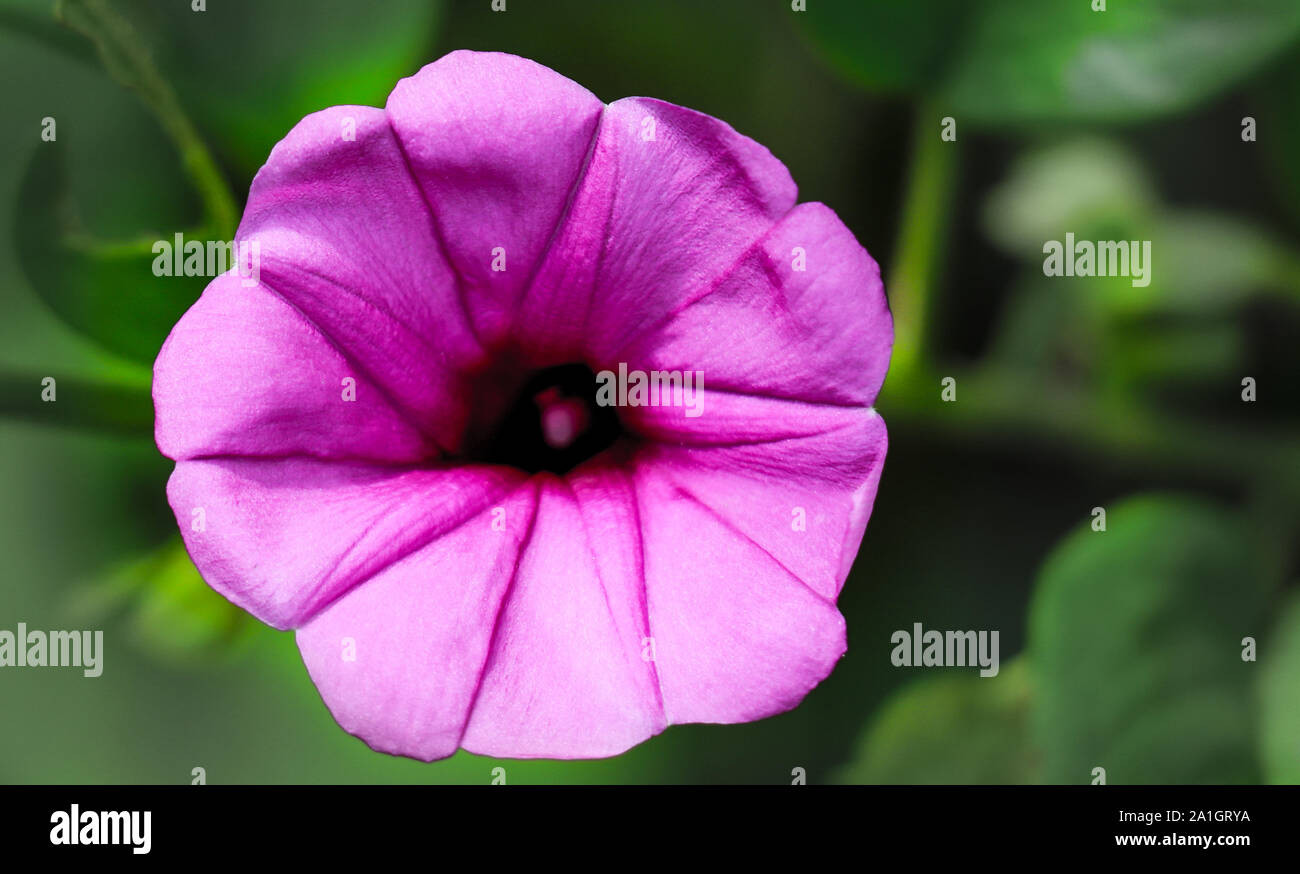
x=1123, y=650
x=1279, y=101
x=1087, y=185
x=1179, y=328
x=952, y=729
x=171, y=612
x=95, y=285
x=342, y=52
x=1135, y=637
x=1134, y=665
x=1026, y=61
x=1279, y=701
x=1208, y=263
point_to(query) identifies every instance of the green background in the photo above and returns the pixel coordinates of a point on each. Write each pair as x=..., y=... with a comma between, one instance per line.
x=1120, y=649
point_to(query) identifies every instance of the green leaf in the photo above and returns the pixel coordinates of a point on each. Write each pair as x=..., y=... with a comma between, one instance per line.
x=1030, y=61
x=250, y=71
x=178, y=615
x=1208, y=264
x=107, y=292
x=1091, y=187
x=886, y=46
x=171, y=612
x=1279, y=695
x=1135, y=640
x=1201, y=262
x=951, y=728
x=1175, y=352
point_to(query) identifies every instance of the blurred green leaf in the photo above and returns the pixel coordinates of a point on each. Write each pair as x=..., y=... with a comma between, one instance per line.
x=1201, y=263
x=887, y=46
x=171, y=612
x=1186, y=351
x=250, y=71
x=1044, y=330
x=1027, y=61
x=1135, y=640
x=108, y=292
x=951, y=728
x=1279, y=693
x=1094, y=188
x=179, y=615
x=1207, y=263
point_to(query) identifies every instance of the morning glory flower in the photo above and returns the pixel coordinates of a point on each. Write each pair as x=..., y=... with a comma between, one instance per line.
x=391, y=442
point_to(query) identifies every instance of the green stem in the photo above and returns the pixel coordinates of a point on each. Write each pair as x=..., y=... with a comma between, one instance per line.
x=917, y=260
x=1017, y=412
x=77, y=402
x=40, y=28
x=127, y=60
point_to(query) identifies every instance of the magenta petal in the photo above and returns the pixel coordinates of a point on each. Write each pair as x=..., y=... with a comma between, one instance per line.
x=243, y=373
x=811, y=527
x=786, y=462
x=729, y=419
x=737, y=635
x=670, y=200
x=284, y=537
x=566, y=677
x=497, y=143
x=844, y=457
x=345, y=237
x=802, y=315
x=398, y=661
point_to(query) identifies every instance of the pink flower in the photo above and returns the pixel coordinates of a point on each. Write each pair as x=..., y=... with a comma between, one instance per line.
x=441, y=260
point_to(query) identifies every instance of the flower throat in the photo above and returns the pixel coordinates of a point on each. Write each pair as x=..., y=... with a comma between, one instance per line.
x=554, y=424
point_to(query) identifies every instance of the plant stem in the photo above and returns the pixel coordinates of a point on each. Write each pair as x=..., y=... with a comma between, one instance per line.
x=117, y=407
x=1018, y=412
x=917, y=260
x=127, y=60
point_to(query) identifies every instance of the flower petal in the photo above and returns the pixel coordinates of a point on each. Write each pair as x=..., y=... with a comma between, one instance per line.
x=243, y=373
x=810, y=526
x=345, y=237
x=737, y=635
x=670, y=199
x=720, y=418
x=566, y=677
x=497, y=143
x=282, y=538
x=398, y=660
x=761, y=464
x=801, y=315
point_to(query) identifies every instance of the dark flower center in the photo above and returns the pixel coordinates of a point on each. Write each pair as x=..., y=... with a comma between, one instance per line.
x=553, y=423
